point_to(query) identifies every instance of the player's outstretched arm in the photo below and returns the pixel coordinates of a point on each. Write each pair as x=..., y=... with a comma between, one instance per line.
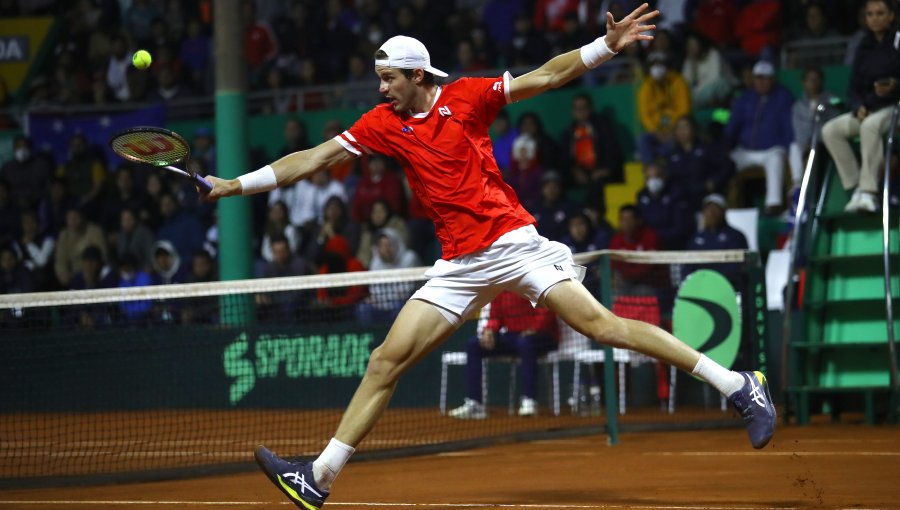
x=568, y=66
x=285, y=171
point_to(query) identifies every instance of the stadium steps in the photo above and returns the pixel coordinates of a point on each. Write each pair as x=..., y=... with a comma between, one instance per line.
x=619, y=194
x=841, y=353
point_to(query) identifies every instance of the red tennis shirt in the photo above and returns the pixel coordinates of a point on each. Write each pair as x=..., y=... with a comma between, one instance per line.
x=448, y=159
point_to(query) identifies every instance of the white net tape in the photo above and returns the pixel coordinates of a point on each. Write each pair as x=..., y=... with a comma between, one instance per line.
x=189, y=290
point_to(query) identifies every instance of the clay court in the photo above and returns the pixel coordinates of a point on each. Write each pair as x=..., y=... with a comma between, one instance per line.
x=821, y=466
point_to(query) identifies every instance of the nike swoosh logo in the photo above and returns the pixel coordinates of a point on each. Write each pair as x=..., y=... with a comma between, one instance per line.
x=721, y=322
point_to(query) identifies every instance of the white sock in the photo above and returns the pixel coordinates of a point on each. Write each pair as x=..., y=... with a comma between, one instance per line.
x=331, y=462
x=722, y=379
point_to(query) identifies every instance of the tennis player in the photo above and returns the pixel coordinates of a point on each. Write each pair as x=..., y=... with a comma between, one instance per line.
x=440, y=136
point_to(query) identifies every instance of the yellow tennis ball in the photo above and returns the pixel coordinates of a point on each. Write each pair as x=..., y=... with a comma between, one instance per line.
x=141, y=59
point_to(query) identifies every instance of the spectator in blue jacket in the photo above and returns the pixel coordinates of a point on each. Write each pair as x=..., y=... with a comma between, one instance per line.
x=759, y=131
x=717, y=234
x=183, y=230
x=699, y=168
x=664, y=207
x=552, y=211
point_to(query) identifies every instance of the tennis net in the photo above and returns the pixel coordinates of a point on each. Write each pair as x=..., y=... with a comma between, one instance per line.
x=132, y=383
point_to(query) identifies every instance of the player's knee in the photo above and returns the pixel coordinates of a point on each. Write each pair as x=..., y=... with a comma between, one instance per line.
x=383, y=366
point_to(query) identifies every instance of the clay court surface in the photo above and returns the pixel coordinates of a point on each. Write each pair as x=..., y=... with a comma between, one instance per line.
x=820, y=466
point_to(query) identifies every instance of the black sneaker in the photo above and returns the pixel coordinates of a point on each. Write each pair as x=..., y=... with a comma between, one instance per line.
x=294, y=479
x=755, y=405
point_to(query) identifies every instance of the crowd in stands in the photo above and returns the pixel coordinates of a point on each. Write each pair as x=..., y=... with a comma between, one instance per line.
x=81, y=224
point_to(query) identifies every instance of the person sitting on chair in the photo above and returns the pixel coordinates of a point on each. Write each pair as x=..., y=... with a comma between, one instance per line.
x=513, y=328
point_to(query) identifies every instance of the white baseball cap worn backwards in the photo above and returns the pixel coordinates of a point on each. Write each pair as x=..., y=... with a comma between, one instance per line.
x=407, y=53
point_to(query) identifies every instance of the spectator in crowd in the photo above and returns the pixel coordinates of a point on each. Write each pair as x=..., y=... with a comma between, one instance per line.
x=593, y=153
x=717, y=234
x=532, y=152
x=378, y=183
x=296, y=137
x=634, y=279
x=93, y=274
x=9, y=214
x=336, y=221
x=138, y=20
x=758, y=27
x=52, y=208
x=27, y=173
x=386, y=299
x=15, y=278
x=155, y=189
x=503, y=134
x=699, y=167
x=84, y=173
x=35, y=249
x=803, y=119
x=528, y=46
x=260, y=45
x=306, y=199
x=664, y=208
x=165, y=265
x=168, y=87
x=204, y=149
x=553, y=211
x=129, y=276
x=873, y=88
x=282, y=306
x=515, y=328
x=584, y=237
x=202, y=310
x=338, y=303
x=195, y=52
x=278, y=226
x=499, y=17
x=78, y=235
x=117, y=69
x=381, y=216
x=123, y=196
x=759, y=131
x=279, y=100
x=715, y=20
x=662, y=98
x=134, y=238
x=860, y=33
x=815, y=24
x=707, y=73
x=183, y=230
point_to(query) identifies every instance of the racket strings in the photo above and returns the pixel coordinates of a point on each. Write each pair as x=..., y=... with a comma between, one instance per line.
x=149, y=147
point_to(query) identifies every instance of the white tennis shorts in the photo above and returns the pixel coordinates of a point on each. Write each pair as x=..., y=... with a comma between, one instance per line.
x=520, y=261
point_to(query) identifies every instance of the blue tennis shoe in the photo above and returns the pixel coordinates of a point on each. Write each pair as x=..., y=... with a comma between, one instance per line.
x=294, y=479
x=755, y=405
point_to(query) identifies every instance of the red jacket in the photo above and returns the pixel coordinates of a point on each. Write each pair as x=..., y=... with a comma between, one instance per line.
x=644, y=240
x=337, y=252
x=516, y=314
x=389, y=188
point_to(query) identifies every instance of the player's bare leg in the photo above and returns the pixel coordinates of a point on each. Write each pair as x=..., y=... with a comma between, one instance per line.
x=747, y=391
x=418, y=329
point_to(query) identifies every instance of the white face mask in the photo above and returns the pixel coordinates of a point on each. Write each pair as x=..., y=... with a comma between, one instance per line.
x=657, y=71
x=22, y=154
x=655, y=185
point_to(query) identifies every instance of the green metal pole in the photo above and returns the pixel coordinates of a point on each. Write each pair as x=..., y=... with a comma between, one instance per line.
x=235, y=234
x=609, y=364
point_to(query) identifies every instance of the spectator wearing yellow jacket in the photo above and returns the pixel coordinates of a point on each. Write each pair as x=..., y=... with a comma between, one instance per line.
x=663, y=98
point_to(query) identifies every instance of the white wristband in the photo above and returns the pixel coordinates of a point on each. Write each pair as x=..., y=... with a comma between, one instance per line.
x=261, y=180
x=595, y=53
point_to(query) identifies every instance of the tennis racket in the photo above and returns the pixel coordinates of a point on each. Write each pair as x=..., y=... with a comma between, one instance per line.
x=159, y=148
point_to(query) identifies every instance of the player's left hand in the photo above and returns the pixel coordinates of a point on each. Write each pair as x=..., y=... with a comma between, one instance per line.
x=630, y=29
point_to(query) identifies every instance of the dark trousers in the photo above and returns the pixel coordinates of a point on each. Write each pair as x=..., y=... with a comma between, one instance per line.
x=527, y=348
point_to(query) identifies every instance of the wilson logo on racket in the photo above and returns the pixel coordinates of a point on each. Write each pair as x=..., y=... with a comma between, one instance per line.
x=150, y=147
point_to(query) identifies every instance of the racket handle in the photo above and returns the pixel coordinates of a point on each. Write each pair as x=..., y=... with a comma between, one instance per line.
x=205, y=186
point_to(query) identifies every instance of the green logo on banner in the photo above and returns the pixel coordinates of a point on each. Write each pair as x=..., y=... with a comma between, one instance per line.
x=294, y=357
x=707, y=318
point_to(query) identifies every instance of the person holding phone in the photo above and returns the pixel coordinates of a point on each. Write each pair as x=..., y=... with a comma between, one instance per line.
x=873, y=88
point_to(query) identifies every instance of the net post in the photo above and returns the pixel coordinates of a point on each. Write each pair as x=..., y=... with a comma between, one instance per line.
x=235, y=233
x=609, y=365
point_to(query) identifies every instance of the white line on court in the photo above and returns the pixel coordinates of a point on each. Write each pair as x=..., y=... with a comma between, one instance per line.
x=780, y=454
x=379, y=504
